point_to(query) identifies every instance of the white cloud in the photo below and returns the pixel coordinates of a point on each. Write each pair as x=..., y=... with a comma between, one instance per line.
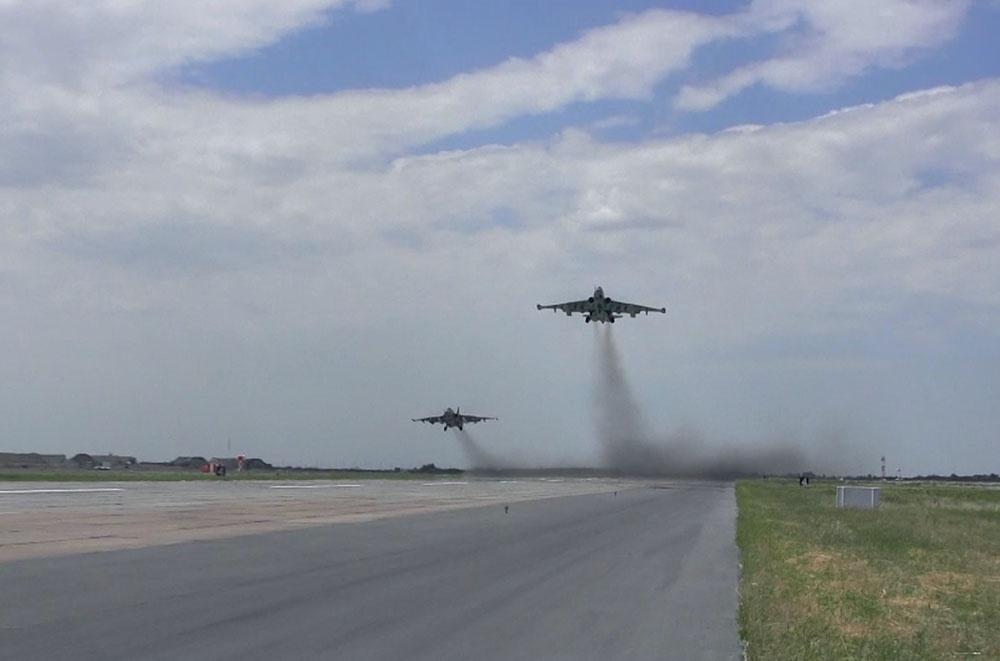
x=107, y=42
x=829, y=42
x=613, y=122
x=100, y=47
x=870, y=196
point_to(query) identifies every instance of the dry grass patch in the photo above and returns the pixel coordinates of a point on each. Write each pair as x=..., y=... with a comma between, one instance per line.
x=948, y=582
x=815, y=561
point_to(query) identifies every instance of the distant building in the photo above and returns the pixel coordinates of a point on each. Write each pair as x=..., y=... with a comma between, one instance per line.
x=232, y=463
x=189, y=462
x=83, y=460
x=31, y=460
x=254, y=463
x=113, y=460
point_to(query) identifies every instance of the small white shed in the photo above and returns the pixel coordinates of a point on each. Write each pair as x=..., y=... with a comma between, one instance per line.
x=859, y=498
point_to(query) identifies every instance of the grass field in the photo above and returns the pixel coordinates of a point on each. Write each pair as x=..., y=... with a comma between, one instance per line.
x=917, y=579
x=140, y=475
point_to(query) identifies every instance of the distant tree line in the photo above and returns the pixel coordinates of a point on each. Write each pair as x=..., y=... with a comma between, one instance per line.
x=979, y=477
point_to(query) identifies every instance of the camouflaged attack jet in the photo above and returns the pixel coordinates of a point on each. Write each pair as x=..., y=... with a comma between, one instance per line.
x=452, y=419
x=600, y=308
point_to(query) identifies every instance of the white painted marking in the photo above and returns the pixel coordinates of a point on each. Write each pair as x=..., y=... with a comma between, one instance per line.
x=508, y=481
x=438, y=484
x=31, y=491
x=313, y=486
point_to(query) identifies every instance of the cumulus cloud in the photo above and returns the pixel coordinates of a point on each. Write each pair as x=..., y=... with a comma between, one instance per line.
x=896, y=195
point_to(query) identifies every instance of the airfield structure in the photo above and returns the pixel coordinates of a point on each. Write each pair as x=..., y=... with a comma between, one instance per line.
x=859, y=498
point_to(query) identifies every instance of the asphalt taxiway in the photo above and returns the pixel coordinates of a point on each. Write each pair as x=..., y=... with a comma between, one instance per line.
x=649, y=573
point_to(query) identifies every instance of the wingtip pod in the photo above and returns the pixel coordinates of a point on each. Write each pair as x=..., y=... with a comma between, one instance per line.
x=538, y=306
x=663, y=310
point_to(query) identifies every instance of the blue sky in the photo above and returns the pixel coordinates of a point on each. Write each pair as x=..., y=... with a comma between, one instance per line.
x=410, y=44
x=416, y=43
x=298, y=225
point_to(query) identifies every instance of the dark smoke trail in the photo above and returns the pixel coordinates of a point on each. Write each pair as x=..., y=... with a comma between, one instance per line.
x=620, y=422
x=476, y=455
x=628, y=445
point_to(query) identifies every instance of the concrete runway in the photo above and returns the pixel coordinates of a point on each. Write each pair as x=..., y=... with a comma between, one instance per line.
x=50, y=518
x=648, y=574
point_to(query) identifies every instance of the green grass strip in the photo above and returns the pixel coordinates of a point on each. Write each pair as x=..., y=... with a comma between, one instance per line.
x=917, y=579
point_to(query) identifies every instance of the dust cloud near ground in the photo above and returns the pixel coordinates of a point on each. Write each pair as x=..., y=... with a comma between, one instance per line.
x=628, y=446
x=476, y=454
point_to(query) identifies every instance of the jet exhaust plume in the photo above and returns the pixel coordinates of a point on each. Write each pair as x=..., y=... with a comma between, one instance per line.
x=629, y=447
x=476, y=454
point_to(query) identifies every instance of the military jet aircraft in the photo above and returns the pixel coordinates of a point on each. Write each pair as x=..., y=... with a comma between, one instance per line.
x=452, y=419
x=600, y=308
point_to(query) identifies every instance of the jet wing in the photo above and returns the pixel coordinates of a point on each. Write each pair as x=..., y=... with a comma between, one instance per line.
x=631, y=309
x=434, y=419
x=475, y=418
x=568, y=308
